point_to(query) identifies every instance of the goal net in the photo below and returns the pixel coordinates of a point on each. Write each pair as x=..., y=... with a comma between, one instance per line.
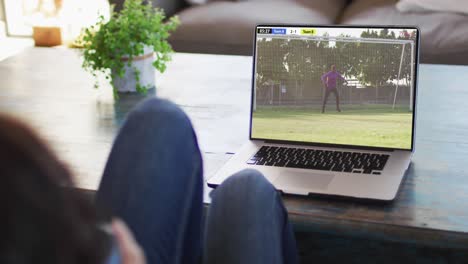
x=378, y=70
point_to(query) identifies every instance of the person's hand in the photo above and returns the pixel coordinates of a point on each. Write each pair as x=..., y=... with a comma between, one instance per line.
x=130, y=251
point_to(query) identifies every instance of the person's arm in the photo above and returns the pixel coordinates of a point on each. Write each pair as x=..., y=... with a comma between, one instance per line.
x=342, y=78
x=323, y=78
x=130, y=251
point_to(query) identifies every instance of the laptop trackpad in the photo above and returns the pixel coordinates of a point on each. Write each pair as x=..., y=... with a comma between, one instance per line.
x=302, y=182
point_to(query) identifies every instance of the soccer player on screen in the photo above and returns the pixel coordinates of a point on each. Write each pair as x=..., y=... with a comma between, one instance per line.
x=329, y=80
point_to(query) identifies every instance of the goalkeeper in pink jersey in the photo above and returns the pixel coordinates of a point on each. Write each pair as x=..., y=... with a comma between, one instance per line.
x=329, y=80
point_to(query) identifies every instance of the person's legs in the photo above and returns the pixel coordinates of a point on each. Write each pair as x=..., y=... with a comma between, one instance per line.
x=153, y=181
x=247, y=223
x=325, y=99
x=337, y=97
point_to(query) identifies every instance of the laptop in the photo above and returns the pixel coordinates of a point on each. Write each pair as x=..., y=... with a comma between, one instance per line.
x=332, y=109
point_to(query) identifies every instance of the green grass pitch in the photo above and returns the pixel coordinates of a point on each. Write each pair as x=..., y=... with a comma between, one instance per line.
x=370, y=125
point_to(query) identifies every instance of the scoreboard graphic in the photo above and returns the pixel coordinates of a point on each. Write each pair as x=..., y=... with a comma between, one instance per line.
x=287, y=31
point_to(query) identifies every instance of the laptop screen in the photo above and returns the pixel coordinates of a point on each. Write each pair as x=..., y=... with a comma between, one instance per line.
x=335, y=85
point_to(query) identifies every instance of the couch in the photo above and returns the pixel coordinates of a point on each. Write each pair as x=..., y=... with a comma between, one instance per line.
x=226, y=27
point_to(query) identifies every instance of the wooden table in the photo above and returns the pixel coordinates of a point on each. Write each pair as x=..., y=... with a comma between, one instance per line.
x=48, y=89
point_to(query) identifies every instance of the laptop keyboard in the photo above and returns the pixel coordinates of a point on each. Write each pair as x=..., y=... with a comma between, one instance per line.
x=327, y=160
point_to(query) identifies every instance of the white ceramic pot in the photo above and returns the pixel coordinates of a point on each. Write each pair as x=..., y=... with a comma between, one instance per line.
x=144, y=64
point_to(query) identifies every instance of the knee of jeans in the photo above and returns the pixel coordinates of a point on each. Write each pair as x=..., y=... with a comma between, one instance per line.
x=160, y=109
x=248, y=190
x=156, y=105
x=250, y=180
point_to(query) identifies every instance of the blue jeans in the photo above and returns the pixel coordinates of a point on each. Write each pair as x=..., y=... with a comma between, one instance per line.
x=153, y=180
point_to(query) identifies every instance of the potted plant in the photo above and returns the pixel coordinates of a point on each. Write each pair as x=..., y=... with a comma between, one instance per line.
x=129, y=47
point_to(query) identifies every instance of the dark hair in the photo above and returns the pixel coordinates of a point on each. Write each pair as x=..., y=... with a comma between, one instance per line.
x=42, y=221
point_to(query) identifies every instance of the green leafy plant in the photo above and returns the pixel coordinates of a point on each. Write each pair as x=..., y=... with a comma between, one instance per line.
x=125, y=35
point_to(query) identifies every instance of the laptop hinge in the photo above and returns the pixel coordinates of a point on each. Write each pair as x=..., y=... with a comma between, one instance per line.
x=327, y=145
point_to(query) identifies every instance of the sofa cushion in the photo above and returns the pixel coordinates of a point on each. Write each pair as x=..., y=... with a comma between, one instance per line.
x=228, y=27
x=455, y=6
x=444, y=36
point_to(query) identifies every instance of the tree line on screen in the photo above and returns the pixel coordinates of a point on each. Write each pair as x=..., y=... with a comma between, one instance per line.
x=372, y=64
